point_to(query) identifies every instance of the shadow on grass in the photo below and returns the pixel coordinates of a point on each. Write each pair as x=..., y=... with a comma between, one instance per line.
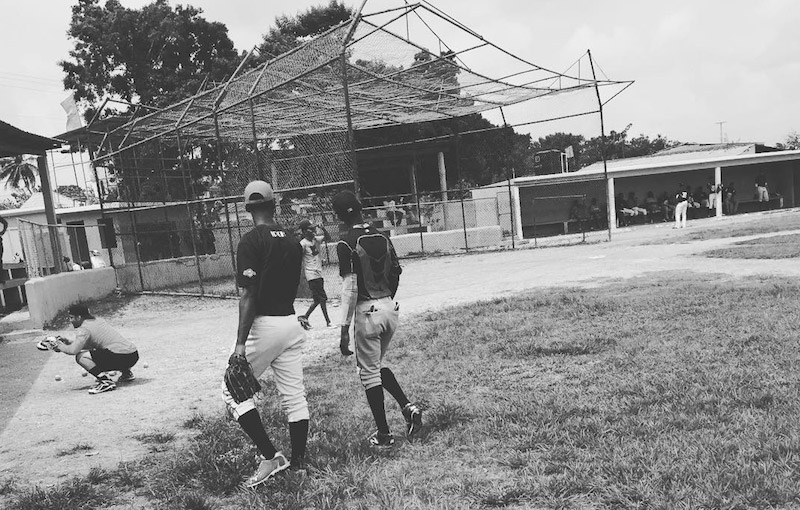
x=660, y=392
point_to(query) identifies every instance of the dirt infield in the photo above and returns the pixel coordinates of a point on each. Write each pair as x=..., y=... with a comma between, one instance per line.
x=51, y=430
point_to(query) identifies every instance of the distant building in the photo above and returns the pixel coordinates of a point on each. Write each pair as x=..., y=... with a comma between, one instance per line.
x=544, y=201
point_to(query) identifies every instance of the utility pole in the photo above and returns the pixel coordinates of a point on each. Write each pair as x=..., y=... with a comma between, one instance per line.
x=721, y=139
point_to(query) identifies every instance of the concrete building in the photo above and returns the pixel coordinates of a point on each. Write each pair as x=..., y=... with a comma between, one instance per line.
x=542, y=203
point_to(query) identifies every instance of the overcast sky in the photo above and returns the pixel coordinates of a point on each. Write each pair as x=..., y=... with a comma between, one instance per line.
x=695, y=63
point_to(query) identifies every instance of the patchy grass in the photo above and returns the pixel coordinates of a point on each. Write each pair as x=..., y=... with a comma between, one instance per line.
x=774, y=247
x=664, y=392
x=80, y=447
x=157, y=441
x=778, y=221
x=76, y=494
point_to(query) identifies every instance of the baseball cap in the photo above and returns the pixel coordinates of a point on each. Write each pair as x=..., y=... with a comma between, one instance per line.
x=80, y=310
x=258, y=192
x=304, y=224
x=345, y=202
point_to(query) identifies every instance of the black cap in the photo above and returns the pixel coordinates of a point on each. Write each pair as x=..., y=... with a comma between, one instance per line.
x=345, y=203
x=80, y=310
x=304, y=224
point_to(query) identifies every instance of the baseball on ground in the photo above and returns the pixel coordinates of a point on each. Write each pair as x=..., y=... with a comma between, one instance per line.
x=145, y=365
x=58, y=378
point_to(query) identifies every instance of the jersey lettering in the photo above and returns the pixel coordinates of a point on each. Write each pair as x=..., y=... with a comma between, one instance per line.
x=277, y=233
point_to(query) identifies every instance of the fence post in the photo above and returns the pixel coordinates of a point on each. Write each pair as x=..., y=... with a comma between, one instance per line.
x=463, y=218
x=419, y=216
x=225, y=190
x=511, y=212
x=189, y=211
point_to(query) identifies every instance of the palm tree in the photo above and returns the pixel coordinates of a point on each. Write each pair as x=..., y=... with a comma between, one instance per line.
x=19, y=169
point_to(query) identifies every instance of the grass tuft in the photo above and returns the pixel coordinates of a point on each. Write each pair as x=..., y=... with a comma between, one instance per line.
x=80, y=447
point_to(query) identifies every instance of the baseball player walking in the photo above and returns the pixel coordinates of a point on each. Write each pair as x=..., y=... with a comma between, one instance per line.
x=268, y=262
x=370, y=274
x=312, y=265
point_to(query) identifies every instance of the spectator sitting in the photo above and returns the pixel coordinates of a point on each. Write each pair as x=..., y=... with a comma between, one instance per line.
x=651, y=204
x=633, y=203
x=668, y=206
x=595, y=215
x=394, y=215
x=624, y=212
x=96, y=260
x=578, y=213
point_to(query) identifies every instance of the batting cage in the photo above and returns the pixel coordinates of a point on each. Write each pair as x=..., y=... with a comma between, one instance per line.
x=395, y=105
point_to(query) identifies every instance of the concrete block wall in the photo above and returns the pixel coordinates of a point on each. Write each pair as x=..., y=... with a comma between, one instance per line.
x=50, y=295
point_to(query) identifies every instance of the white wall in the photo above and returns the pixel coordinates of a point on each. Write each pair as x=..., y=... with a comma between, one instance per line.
x=52, y=294
x=447, y=241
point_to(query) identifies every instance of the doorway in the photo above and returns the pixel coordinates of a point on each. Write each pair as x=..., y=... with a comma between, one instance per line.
x=77, y=241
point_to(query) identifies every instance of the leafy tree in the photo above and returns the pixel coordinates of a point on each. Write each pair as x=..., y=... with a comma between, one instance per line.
x=18, y=197
x=291, y=31
x=19, y=170
x=156, y=55
x=792, y=142
x=618, y=146
x=72, y=191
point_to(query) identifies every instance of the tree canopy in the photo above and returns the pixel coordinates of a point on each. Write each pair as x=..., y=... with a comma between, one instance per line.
x=792, y=142
x=291, y=31
x=19, y=172
x=156, y=55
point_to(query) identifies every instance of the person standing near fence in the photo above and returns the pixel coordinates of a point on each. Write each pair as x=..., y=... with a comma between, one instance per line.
x=4, y=223
x=762, y=192
x=682, y=197
x=268, y=260
x=312, y=266
x=370, y=274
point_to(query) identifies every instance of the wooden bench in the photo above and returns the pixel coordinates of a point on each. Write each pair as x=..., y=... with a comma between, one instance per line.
x=12, y=290
x=752, y=204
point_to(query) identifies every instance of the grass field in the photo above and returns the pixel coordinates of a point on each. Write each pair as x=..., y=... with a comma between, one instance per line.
x=669, y=392
x=762, y=225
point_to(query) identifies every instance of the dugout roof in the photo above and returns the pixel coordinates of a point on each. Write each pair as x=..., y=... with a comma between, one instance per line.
x=16, y=142
x=381, y=69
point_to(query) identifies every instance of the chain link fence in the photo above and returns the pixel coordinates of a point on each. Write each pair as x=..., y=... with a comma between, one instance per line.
x=190, y=248
x=49, y=249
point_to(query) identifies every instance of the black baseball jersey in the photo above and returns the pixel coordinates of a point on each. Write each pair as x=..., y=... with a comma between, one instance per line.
x=370, y=255
x=268, y=258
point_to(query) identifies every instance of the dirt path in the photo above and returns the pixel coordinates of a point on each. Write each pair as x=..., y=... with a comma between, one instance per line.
x=185, y=342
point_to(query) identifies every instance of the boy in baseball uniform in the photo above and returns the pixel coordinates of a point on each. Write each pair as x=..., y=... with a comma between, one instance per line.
x=268, y=262
x=370, y=274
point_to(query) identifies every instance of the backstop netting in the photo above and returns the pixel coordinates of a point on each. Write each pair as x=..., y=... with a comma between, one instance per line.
x=336, y=112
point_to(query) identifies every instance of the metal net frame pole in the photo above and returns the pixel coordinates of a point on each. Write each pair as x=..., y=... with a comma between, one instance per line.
x=602, y=142
x=189, y=211
x=131, y=218
x=99, y=195
x=351, y=139
x=225, y=190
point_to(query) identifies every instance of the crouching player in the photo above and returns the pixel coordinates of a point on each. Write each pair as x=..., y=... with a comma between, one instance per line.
x=98, y=348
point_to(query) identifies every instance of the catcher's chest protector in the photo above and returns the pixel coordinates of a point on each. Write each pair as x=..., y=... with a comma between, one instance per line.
x=373, y=251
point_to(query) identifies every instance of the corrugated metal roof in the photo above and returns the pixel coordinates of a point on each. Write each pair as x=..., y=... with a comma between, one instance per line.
x=680, y=162
x=685, y=152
